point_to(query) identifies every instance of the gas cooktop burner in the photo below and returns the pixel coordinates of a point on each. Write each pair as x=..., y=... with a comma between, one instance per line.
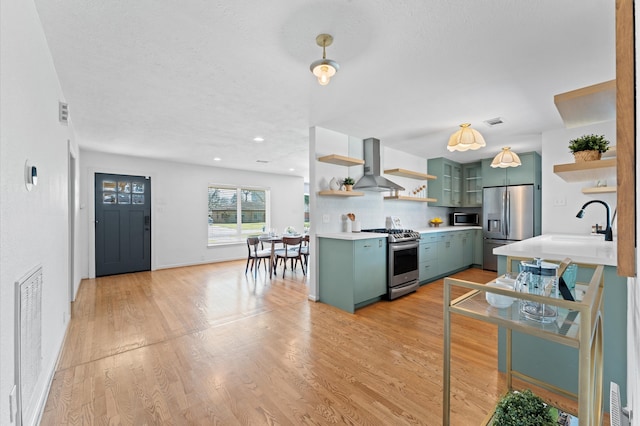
x=396, y=235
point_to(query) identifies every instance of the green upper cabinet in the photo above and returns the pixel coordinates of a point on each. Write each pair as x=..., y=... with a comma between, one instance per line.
x=528, y=172
x=472, y=184
x=447, y=186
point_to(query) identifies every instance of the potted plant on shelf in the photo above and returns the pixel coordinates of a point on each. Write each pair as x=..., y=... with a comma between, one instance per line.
x=348, y=183
x=588, y=147
x=522, y=409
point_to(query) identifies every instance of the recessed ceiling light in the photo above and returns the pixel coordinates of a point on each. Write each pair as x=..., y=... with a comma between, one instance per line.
x=292, y=170
x=258, y=139
x=217, y=158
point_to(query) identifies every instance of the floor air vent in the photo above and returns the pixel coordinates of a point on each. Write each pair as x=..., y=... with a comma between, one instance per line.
x=28, y=340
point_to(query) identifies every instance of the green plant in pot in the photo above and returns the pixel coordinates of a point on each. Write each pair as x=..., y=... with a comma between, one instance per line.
x=348, y=183
x=588, y=147
x=522, y=409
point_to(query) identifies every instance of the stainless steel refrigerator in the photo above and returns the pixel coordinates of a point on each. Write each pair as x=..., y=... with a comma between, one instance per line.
x=508, y=216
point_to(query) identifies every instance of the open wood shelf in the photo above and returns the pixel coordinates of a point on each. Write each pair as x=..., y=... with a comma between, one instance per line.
x=587, y=105
x=341, y=160
x=588, y=170
x=599, y=190
x=409, y=174
x=405, y=198
x=334, y=193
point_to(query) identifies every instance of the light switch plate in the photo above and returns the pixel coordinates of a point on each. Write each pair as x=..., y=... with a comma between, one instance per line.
x=325, y=218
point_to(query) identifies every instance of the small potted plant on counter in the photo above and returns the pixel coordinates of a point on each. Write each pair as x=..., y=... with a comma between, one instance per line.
x=348, y=183
x=588, y=147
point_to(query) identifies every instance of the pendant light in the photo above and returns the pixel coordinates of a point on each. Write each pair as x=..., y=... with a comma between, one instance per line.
x=506, y=158
x=465, y=138
x=324, y=68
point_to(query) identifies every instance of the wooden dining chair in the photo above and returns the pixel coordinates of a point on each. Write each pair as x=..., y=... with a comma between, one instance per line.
x=304, y=251
x=290, y=250
x=257, y=253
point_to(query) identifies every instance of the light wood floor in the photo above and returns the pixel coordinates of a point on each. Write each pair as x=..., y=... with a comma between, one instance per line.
x=210, y=345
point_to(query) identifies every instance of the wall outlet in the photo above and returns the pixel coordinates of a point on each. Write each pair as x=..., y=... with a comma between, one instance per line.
x=325, y=218
x=559, y=201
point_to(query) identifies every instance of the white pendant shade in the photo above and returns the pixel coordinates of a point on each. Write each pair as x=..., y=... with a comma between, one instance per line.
x=324, y=68
x=506, y=158
x=466, y=138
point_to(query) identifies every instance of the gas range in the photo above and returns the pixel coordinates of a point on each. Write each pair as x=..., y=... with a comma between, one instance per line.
x=396, y=235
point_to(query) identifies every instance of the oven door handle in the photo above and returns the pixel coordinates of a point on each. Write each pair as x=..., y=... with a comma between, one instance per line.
x=404, y=245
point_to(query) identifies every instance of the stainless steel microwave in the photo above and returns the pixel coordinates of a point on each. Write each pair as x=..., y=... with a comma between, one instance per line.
x=464, y=219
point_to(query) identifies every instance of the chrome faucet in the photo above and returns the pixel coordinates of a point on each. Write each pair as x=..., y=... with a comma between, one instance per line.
x=608, y=233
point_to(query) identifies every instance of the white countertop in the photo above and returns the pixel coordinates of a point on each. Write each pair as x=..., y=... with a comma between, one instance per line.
x=352, y=236
x=445, y=229
x=579, y=248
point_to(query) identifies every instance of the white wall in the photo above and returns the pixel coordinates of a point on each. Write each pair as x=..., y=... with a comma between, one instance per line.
x=33, y=225
x=370, y=209
x=562, y=200
x=179, y=206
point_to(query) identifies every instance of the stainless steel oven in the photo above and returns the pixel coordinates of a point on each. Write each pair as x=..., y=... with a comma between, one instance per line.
x=402, y=261
x=402, y=268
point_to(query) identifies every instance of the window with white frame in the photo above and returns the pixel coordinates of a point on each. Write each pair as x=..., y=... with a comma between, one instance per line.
x=236, y=213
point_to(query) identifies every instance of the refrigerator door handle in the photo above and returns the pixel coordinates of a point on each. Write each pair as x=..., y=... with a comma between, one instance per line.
x=503, y=224
x=507, y=221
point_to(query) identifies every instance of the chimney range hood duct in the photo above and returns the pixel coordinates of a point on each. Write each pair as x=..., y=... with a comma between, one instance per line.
x=372, y=179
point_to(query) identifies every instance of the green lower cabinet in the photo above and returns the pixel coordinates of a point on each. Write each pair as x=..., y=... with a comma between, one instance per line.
x=467, y=248
x=442, y=253
x=352, y=274
x=428, y=259
x=561, y=368
x=477, y=247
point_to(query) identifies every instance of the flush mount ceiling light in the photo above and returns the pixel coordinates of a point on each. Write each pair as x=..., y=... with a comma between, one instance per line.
x=466, y=138
x=506, y=158
x=324, y=68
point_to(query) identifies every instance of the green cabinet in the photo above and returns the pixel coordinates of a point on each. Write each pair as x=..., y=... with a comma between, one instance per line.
x=352, y=273
x=528, y=172
x=428, y=257
x=477, y=247
x=443, y=253
x=472, y=184
x=447, y=186
x=449, y=250
x=467, y=246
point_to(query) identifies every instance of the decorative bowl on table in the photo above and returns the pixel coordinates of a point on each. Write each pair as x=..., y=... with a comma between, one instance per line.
x=498, y=300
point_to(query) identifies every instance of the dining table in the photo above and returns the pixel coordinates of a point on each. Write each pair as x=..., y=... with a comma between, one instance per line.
x=273, y=239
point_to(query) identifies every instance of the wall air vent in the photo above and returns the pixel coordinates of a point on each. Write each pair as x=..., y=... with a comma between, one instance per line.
x=494, y=121
x=63, y=112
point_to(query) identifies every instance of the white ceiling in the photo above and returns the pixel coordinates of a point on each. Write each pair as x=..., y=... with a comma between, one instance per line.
x=193, y=80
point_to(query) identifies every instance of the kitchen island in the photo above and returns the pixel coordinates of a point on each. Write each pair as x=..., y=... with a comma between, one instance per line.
x=561, y=369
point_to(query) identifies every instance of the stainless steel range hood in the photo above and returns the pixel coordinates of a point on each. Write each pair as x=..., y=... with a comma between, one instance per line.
x=372, y=179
